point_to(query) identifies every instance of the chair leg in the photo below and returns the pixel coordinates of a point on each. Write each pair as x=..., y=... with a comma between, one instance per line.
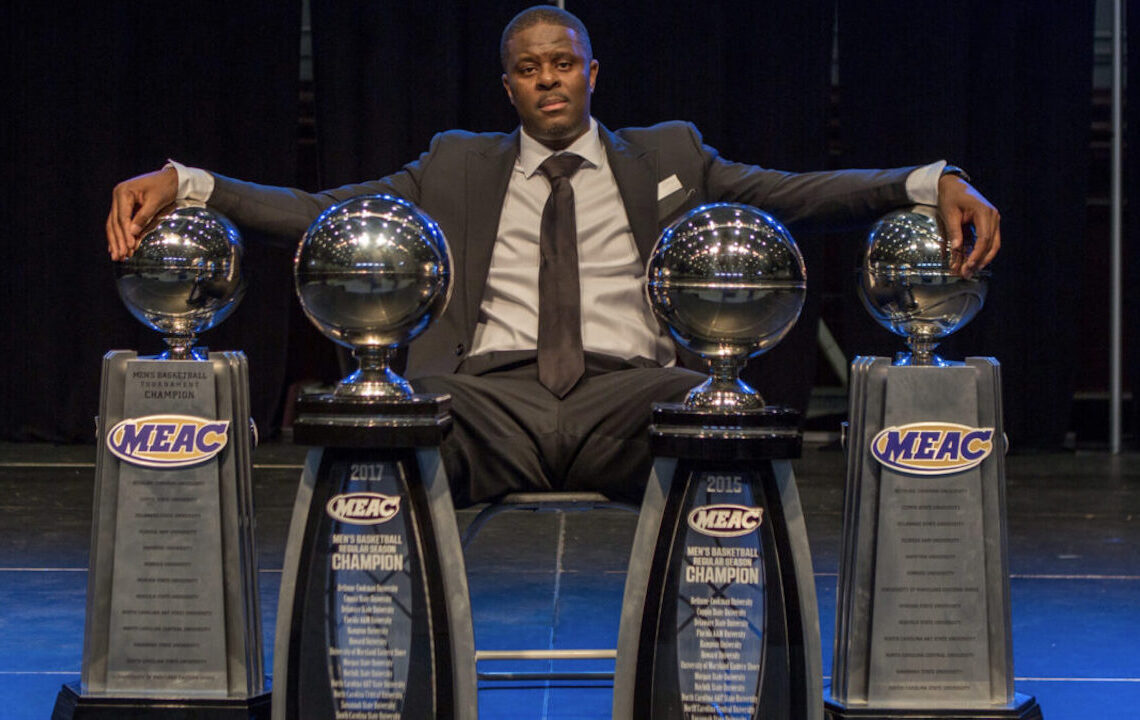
x=539, y=502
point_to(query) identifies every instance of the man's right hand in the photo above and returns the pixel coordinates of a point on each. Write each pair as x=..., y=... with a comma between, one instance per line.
x=133, y=203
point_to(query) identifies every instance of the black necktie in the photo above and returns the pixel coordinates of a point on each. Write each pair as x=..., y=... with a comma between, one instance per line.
x=560, y=359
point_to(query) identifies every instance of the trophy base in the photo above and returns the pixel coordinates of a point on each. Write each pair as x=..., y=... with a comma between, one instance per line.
x=401, y=580
x=329, y=420
x=1023, y=707
x=180, y=526
x=660, y=651
x=702, y=434
x=70, y=704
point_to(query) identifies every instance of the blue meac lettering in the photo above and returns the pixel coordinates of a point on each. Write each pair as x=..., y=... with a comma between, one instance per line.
x=926, y=443
x=167, y=441
x=898, y=445
x=133, y=438
x=948, y=450
x=977, y=444
x=932, y=448
x=184, y=440
x=211, y=437
x=161, y=442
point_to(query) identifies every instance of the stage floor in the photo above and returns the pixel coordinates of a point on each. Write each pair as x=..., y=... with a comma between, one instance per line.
x=552, y=580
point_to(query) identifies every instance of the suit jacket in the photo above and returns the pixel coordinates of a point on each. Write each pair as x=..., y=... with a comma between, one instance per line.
x=462, y=179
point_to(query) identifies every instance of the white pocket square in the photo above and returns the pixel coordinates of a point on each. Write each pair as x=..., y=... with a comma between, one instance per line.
x=667, y=187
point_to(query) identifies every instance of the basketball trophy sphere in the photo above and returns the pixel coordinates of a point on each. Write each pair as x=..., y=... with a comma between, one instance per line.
x=185, y=277
x=911, y=284
x=728, y=282
x=372, y=273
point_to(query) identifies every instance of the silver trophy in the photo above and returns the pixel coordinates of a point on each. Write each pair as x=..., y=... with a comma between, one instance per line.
x=921, y=425
x=729, y=282
x=373, y=571
x=175, y=439
x=911, y=284
x=185, y=277
x=372, y=273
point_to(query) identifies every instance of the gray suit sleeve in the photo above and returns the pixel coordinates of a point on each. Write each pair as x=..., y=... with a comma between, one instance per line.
x=806, y=202
x=288, y=212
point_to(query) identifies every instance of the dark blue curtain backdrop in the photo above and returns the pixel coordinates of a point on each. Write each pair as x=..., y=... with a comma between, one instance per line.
x=95, y=94
x=1001, y=88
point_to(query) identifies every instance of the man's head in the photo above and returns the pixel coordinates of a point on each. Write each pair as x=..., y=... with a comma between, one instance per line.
x=549, y=73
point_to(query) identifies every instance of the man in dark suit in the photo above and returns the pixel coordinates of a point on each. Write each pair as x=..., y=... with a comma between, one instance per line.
x=491, y=194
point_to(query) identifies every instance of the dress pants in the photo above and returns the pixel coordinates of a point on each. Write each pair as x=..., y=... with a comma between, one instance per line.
x=511, y=434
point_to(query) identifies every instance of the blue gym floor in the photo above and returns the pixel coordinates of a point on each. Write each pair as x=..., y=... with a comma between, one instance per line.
x=553, y=580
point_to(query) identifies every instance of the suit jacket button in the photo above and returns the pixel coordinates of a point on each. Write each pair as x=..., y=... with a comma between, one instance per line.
x=459, y=349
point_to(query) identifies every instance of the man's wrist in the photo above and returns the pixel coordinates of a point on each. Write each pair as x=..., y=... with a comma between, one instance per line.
x=957, y=171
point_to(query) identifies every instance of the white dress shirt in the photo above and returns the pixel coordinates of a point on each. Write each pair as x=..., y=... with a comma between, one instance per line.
x=616, y=317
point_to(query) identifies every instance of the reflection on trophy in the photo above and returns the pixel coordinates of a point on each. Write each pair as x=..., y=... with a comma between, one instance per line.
x=911, y=285
x=922, y=617
x=173, y=625
x=719, y=614
x=372, y=273
x=374, y=617
x=729, y=283
x=185, y=277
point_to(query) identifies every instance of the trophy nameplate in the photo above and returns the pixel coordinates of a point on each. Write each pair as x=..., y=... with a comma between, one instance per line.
x=719, y=613
x=173, y=612
x=167, y=615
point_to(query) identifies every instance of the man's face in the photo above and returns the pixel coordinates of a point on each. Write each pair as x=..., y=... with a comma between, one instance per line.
x=549, y=79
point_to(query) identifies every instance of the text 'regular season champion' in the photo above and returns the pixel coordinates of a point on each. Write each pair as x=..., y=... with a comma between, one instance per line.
x=368, y=552
x=721, y=565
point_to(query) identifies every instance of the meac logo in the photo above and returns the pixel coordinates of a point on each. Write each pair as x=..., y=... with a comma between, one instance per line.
x=932, y=448
x=167, y=441
x=363, y=508
x=725, y=520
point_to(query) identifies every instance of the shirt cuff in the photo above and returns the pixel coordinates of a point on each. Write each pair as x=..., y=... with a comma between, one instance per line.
x=922, y=183
x=197, y=184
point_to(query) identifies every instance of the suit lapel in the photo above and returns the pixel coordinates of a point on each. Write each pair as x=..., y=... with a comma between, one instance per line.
x=635, y=171
x=488, y=174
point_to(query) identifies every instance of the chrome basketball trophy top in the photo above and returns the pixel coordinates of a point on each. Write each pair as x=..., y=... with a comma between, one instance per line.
x=911, y=284
x=372, y=273
x=729, y=282
x=185, y=277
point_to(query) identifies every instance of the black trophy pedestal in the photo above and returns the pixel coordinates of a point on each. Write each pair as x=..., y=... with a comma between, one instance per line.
x=1024, y=707
x=374, y=618
x=71, y=704
x=325, y=420
x=719, y=615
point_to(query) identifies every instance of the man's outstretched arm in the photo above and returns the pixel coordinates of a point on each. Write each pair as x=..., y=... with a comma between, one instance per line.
x=850, y=198
x=275, y=210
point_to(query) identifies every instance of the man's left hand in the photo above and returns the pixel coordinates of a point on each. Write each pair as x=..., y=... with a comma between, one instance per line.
x=961, y=204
